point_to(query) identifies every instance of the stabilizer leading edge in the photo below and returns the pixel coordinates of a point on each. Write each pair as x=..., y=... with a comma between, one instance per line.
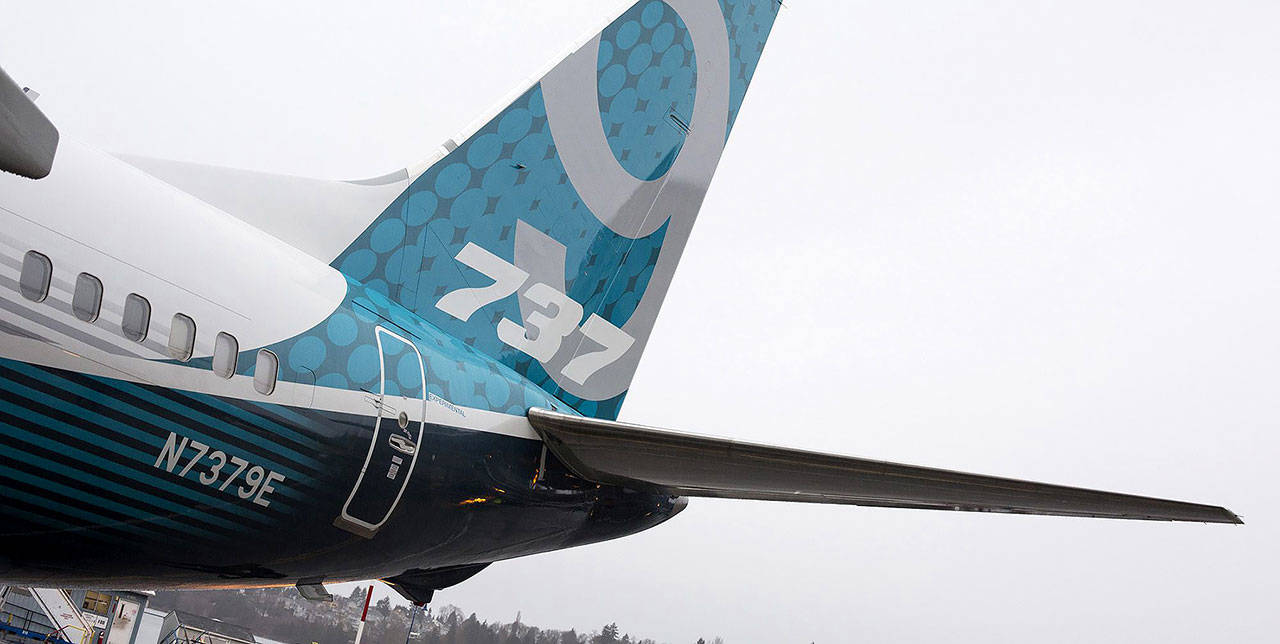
x=28, y=141
x=689, y=465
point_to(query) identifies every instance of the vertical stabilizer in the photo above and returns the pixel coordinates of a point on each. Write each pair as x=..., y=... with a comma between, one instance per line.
x=549, y=237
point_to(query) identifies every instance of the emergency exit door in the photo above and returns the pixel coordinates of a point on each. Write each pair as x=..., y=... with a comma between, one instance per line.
x=396, y=432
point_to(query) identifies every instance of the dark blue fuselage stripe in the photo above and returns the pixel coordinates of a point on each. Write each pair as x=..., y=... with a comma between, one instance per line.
x=192, y=431
x=83, y=472
x=52, y=489
x=277, y=430
x=113, y=435
x=77, y=497
x=216, y=424
x=114, y=411
x=27, y=410
x=87, y=464
x=32, y=512
x=292, y=416
x=34, y=507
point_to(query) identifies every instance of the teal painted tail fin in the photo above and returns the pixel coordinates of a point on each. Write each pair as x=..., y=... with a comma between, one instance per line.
x=548, y=238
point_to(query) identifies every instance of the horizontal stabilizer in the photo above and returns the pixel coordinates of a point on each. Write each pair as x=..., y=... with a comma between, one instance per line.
x=28, y=140
x=689, y=465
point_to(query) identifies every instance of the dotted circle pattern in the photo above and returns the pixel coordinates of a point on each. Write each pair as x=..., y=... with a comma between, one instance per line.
x=647, y=84
x=456, y=372
x=510, y=171
x=749, y=23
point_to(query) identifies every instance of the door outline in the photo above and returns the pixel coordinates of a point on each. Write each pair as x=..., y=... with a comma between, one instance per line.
x=345, y=520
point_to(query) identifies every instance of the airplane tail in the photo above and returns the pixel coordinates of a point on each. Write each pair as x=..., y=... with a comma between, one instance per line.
x=548, y=237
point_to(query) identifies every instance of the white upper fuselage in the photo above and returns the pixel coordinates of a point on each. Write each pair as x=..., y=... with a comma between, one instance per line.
x=99, y=215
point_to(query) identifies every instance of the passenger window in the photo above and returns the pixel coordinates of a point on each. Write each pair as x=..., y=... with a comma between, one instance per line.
x=86, y=303
x=265, y=372
x=182, y=338
x=37, y=271
x=137, y=317
x=225, y=350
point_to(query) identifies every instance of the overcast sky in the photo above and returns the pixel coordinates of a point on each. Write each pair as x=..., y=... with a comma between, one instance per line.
x=1035, y=239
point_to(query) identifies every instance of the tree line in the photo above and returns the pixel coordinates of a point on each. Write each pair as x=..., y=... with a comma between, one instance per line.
x=282, y=614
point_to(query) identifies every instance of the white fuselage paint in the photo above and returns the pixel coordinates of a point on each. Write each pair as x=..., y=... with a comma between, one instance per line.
x=315, y=216
x=137, y=234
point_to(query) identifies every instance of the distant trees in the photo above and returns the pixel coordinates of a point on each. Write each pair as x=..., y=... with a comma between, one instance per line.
x=282, y=614
x=382, y=608
x=608, y=635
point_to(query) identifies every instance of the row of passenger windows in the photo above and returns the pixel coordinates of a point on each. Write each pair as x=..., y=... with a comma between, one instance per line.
x=135, y=322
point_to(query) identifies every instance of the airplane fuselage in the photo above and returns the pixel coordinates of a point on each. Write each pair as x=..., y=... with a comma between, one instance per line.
x=217, y=377
x=381, y=445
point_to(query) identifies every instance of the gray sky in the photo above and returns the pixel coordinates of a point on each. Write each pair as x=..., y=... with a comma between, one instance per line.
x=1035, y=239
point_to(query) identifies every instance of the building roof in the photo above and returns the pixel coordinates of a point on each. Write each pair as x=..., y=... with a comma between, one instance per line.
x=214, y=626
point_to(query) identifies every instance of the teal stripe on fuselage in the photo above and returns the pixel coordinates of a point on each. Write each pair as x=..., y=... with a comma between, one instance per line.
x=275, y=428
x=185, y=430
x=145, y=460
x=54, y=523
x=213, y=422
x=286, y=414
x=146, y=416
x=152, y=481
x=99, y=520
x=53, y=467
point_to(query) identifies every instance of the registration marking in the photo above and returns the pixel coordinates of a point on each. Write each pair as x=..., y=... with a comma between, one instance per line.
x=259, y=482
